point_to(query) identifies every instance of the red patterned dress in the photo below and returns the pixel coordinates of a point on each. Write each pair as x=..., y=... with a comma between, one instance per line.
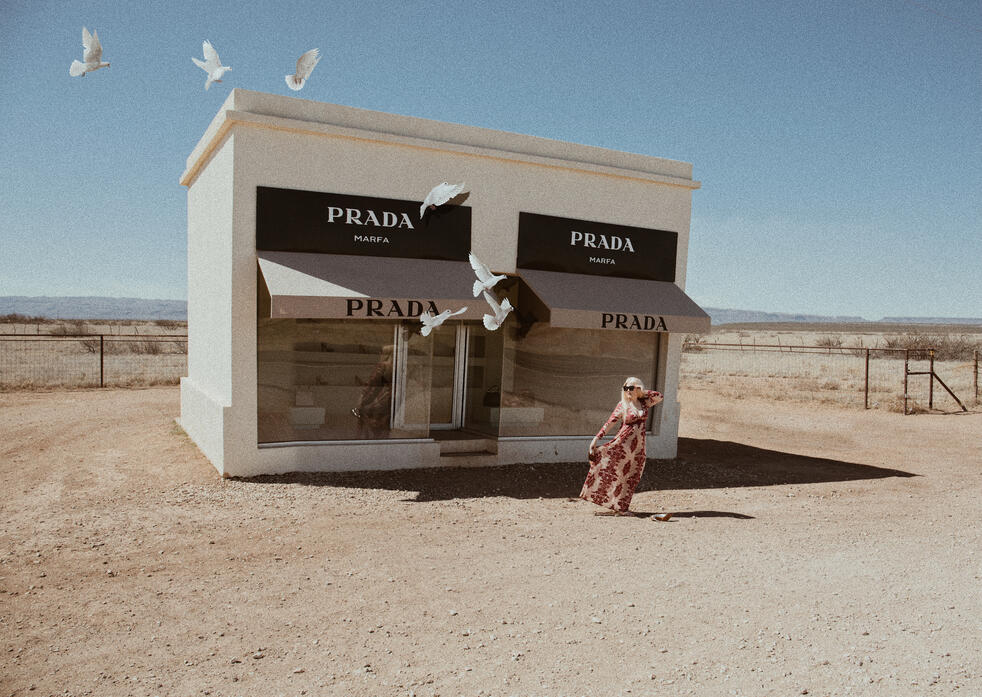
x=616, y=467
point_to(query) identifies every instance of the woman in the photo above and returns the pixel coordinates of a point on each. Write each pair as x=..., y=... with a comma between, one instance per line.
x=376, y=399
x=615, y=468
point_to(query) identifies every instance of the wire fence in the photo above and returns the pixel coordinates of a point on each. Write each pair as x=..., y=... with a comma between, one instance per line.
x=91, y=360
x=877, y=378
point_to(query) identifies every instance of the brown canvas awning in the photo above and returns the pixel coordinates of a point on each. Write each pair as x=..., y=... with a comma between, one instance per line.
x=603, y=302
x=304, y=285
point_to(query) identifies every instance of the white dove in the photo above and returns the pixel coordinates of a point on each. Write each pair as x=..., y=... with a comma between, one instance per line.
x=92, y=56
x=211, y=64
x=500, y=312
x=440, y=194
x=485, y=279
x=305, y=66
x=430, y=322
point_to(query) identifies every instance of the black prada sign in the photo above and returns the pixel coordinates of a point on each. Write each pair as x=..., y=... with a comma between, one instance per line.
x=290, y=220
x=600, y=249
x=377, y=307
x=621, y=320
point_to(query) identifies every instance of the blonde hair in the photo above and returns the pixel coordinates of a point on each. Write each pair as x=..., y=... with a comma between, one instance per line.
x=626, y=405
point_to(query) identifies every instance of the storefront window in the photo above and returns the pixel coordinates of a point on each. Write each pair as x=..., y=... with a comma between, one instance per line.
x=565, y=382
x=342, y=380
x=484, y=356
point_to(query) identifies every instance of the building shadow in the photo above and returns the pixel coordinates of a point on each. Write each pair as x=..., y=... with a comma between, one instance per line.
x=701, y=464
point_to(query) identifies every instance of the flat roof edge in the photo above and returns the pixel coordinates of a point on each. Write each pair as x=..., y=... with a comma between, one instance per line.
x=259, y=109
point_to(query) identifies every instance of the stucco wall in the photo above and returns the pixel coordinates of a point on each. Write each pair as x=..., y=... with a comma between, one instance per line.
x=206, y=392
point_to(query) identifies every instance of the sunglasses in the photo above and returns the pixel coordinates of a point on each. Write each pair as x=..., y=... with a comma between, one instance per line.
x=628, y=388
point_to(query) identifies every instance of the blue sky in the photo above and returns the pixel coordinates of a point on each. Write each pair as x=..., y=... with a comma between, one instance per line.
x=839, y=143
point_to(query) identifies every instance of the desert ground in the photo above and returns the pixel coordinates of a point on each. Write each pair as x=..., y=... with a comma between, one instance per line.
x=814, y=549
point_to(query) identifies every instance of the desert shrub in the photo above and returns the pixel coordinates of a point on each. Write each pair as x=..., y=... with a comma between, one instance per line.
x=147, y=347
x=70, y=326
x=946, y=346
x=140, y=347
x=16, y=318
x=829, y=341
x=169, y=323
x=693, y=342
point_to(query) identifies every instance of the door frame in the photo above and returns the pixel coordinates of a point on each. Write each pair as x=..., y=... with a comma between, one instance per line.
x=400, y=356
x=459, y=382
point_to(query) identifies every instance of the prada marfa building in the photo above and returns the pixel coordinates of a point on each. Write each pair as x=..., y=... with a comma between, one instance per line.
x=309, y=265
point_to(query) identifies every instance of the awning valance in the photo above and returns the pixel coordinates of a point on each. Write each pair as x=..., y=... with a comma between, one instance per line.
x=304, y=285
x=582, y=301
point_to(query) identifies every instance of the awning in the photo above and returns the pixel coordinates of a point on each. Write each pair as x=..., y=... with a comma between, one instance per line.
x=303, y=285
x=603, y=302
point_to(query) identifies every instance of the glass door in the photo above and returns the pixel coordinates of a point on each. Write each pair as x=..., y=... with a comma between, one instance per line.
x=429, y=382
x=447, y=381
x=412, y=375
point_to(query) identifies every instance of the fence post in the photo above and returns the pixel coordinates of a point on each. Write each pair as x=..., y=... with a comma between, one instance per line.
x=976, y=376
x=102, y=354
x=866, y=381
x=930, y=382
x=906, y=369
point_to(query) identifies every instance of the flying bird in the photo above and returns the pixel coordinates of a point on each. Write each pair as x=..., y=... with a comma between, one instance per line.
x=430, y=322
x=440, y=194
x=91, y=58
x=500, y=312
x=485, y=279
x=305, y=66
x=211, y=64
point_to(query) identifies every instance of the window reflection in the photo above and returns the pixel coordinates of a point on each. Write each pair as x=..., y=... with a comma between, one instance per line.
x=338, y=380
x=483, y=398
x=368, y=380
x=566, y=381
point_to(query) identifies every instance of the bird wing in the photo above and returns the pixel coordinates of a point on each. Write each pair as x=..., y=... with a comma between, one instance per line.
x=480, y=268
x=96, y=47
x=200, y=63
x=433, y=195
x=307, y=62
x=93, y=49
x=495, y=307
x=211, y=56
x=426, y=318
x=443, y=192
x=448, y=191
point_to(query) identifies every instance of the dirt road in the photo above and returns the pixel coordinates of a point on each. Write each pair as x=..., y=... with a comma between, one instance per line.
x=814, y=550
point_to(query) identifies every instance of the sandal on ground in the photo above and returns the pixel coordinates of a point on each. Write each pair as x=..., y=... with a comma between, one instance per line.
x=662, y=516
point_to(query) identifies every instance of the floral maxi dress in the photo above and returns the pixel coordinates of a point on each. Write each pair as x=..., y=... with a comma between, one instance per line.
x=616, y=468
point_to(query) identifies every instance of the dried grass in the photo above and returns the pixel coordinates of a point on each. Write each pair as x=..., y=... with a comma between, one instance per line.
x=947, y=346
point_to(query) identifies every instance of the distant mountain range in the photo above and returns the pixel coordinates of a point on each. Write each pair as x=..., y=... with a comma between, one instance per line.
x=97, y=307
x=93, y=307
x=720, y=315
